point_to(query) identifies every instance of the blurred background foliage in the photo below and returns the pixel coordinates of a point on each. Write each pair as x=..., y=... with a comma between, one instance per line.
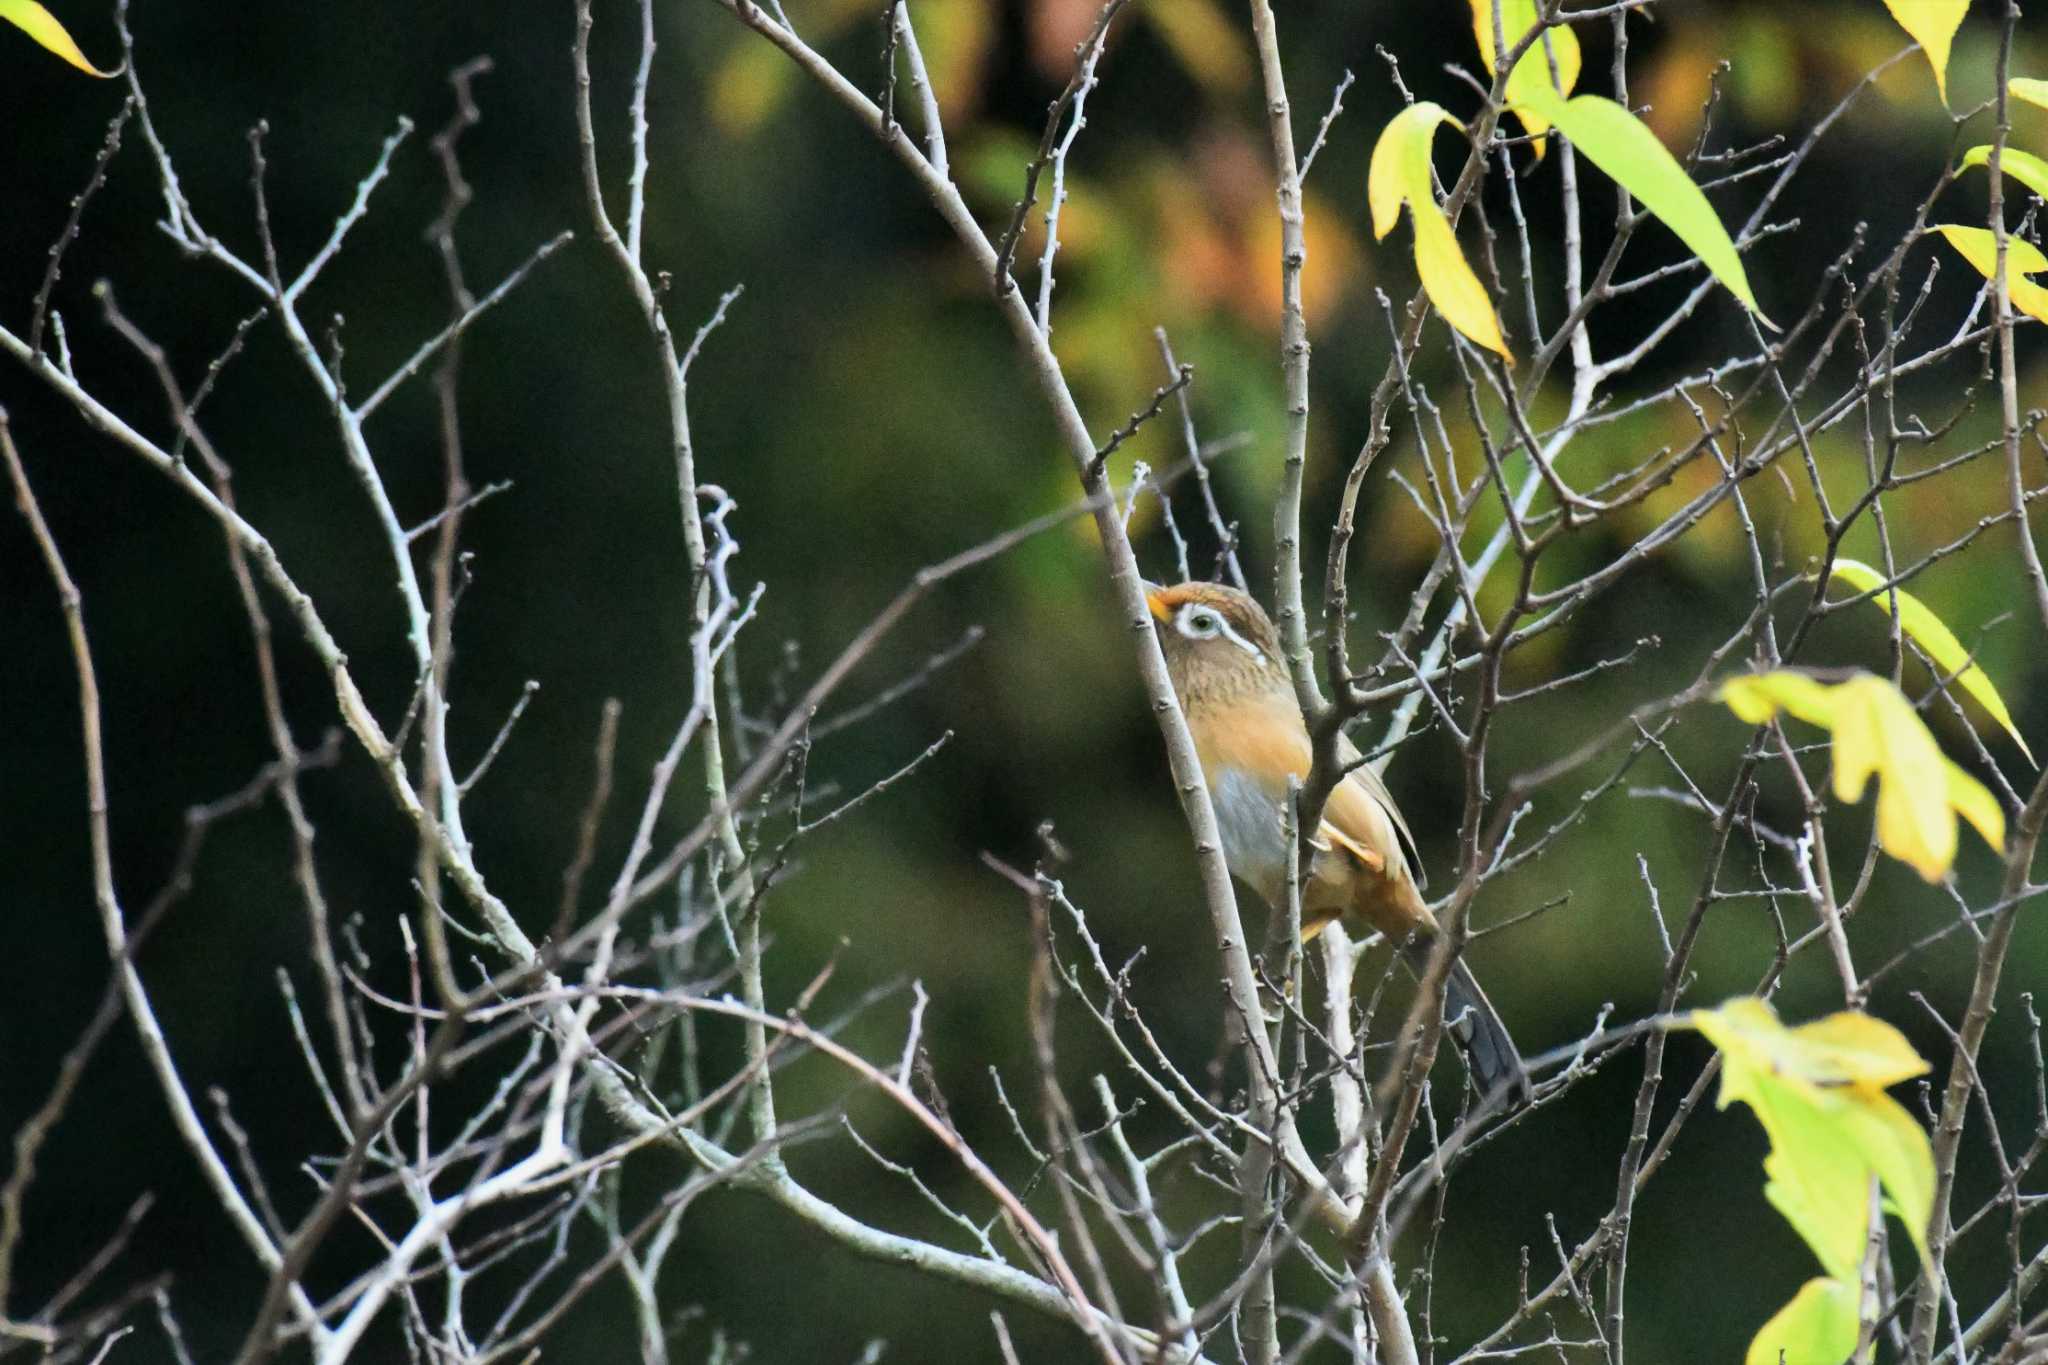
x=868, y=413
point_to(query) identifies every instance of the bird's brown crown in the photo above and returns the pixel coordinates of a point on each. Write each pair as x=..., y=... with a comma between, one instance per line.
x=1218, y=642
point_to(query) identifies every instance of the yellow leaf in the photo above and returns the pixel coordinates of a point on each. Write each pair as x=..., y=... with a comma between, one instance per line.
x=1877, y=731
x=1850, y=1047
x=1930, y=633
x=39, y=24
x=1844, y=1048
x=1977, y=246
x=1819, y=1327
x=2032, y=91
x=1404, y=139
x=1533, y=71
x=1399, y=175
x=1756, y=697
x=1932, y=24
x=1975, y=803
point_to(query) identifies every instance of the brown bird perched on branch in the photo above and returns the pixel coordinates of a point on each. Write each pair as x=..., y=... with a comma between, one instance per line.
x=1224, y=657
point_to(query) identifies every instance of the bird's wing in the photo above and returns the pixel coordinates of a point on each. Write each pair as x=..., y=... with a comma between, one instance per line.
x=1333, y=837
x=1348, y=808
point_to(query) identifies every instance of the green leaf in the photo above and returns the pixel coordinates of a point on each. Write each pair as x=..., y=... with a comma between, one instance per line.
x=2028, y=169
x=1932, y=24
x=1933, y=636
x=39, y=24
x=1819, y=1327
x=1819, y=1092
x=1399, y=175
x=1623, y=146
x=1977, y=246
x=1798, y=1083
x=1532, y=77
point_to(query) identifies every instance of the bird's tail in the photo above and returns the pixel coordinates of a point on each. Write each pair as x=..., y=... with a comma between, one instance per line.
x=1475, y=1025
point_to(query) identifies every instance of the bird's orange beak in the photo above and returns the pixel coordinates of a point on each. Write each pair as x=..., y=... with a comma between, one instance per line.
x=1155, y=599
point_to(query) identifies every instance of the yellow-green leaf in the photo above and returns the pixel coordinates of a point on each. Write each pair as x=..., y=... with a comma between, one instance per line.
x=1811, y=1177
x=1977, y=246
x=1932, y=24
x=1399, y=175
x=1532, y=74
x=1940, y=643
x=41, y=25
x=1896, y=1148
x=2032, y=91
x=2025, y=167
x=1623, y=147
x=1819, y=1092
x=1819, y=1327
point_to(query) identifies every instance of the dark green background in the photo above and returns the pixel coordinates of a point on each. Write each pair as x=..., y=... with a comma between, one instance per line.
x=870, y=416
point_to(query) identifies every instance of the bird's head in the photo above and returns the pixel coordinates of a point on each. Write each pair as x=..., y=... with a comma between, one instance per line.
x=1217, y=640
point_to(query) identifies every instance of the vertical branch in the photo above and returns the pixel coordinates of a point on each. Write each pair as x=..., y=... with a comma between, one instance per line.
x=1226, y=534
x=636, y=181
x=2019, y=855
x=1289, y=612
x=455, y=497
x=349, y=421
x=1077, y=119
x=305, y=873
x=1955, y=1101
x=39, y=312
x=675, y=378
x=34, y=1131
x=184, y=1116
x=1379, y=1295
x=905, y=35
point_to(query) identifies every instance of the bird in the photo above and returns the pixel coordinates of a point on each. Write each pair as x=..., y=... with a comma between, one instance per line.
x=1224, y=658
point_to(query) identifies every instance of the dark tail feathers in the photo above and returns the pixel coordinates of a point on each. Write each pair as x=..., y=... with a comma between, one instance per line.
x=1476, y=1027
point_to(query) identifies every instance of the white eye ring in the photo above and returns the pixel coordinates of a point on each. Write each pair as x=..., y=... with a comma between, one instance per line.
x=1206, y=623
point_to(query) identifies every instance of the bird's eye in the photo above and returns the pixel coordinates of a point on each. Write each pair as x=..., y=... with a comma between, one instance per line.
x=1201, y=623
